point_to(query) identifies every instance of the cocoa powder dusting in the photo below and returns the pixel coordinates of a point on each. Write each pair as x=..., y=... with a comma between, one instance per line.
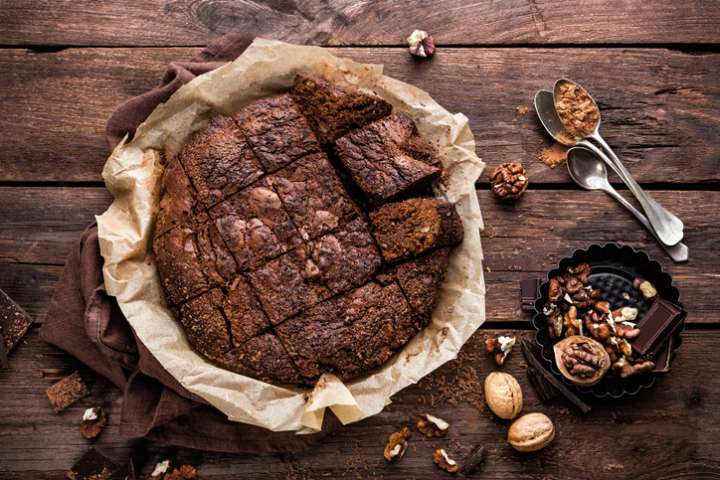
x=577, y=111
x=553, y=155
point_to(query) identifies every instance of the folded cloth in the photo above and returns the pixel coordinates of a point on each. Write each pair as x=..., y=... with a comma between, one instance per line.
x=87, y=323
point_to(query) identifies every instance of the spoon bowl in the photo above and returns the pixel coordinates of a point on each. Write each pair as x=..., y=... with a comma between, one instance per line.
x=545, y=108
x=589, y=171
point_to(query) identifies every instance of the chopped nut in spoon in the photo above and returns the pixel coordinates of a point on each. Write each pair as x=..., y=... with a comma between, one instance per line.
x=576, y=109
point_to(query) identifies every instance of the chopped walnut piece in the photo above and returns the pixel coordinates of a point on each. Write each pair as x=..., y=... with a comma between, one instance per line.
x=420, y=44
x=93, y=421
x=499, y=347
x=396, y=444
x=647, y=289
x=441, y=459
x=432, y=426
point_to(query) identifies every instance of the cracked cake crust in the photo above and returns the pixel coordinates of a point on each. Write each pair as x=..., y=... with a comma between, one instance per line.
x=266, y=248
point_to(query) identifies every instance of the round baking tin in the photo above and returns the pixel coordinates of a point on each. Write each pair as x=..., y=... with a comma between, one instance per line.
x=613, y=269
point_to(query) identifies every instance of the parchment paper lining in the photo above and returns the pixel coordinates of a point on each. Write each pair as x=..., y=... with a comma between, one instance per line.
x=132, y=175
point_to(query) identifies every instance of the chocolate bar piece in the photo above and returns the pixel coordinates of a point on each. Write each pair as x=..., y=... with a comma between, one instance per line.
x=656, y=326
x=93, y=465
x=663, y=357
x=532, y=360
x=14, y=323
x=66, y=392
x=528, y=293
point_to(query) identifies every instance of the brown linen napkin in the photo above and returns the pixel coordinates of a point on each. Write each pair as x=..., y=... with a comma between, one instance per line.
x=87, y=323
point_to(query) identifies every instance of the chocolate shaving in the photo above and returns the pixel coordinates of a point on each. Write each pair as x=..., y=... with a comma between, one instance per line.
x=473, y=461
x=533, y=361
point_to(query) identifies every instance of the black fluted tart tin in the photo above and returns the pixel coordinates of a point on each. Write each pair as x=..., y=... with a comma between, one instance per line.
x=613, y=268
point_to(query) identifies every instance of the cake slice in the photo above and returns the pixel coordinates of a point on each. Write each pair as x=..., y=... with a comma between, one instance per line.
x=349, y=334
x=205, y=326
x=333, y=111
x=420, y=280
x=388, y=158
x=178, y=205
x=277, y=131
x=313, y=195
x=284, y=285
x=262, y=357
x=409, y=228
x=219, y=162
x=176, y=258
x=343, y=259
x=254, y=225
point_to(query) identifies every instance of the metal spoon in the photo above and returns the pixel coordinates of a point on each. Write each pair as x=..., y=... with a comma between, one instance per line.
x=588, y=171
x=668, y=227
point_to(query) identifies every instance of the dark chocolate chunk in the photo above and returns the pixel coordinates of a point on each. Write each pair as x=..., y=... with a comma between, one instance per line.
x=93, y=465
x=538, y=364
x=528, y=293
x=656, y=326
x=473, y=461
x=67, y=391
x=663, y=358
x=14, y=323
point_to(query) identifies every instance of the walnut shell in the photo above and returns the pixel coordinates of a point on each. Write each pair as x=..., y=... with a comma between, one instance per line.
x=593, y=372
x=531, y=432
x=503, y=395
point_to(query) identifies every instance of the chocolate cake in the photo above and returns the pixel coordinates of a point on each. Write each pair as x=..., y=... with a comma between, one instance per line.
x=275, y=244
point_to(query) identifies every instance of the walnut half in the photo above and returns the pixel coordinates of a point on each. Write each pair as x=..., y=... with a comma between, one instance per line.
x=396, y=444
x=432, y=426
x=443, y=461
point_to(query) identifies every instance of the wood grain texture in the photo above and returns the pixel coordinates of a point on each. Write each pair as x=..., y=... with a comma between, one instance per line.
x=347, y=22
x=662, y=121
x=41, y=224
x=624, y=437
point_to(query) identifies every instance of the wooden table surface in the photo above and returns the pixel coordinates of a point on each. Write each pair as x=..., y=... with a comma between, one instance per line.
x=654, y=66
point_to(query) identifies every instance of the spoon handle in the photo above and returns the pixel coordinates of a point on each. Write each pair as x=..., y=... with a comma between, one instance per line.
x=678, y=252
x=667, y=226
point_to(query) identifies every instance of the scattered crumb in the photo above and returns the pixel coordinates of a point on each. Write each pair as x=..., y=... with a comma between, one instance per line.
x=553, y=155
x=521, y=110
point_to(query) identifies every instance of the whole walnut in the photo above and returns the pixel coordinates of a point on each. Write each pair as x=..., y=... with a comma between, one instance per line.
x=509, y=180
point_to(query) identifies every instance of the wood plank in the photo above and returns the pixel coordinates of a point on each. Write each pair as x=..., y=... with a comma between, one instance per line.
x=661, y=122
x=524, y=239
x=187, y=22
x=669, y=432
